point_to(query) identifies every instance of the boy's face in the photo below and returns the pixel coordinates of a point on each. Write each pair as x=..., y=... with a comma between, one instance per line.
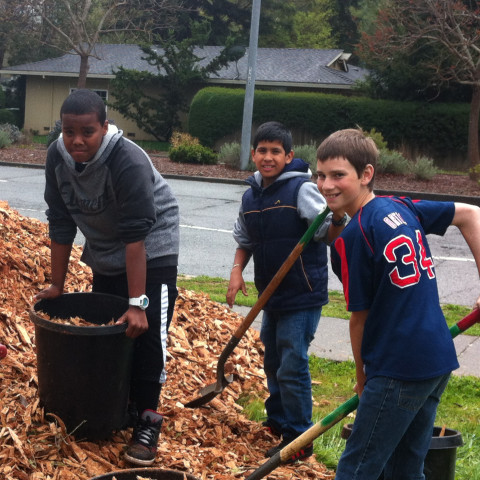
x=82, y=135
x=270, y=159
x=338, y=182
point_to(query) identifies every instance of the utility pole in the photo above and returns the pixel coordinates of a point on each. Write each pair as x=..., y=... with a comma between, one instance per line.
x=250, y=86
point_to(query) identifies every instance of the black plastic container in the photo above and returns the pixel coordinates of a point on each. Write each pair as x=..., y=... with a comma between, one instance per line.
x=150, y=473
x=84, y=372
x=441, y=457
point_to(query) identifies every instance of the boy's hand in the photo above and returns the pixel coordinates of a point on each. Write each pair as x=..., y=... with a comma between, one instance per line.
x=137, y=322
x=360, y=385
x=51, y=292
x=236, y=283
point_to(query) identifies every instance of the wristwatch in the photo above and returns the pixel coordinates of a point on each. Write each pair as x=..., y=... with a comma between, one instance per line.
x=140, y=302
x=339, y=223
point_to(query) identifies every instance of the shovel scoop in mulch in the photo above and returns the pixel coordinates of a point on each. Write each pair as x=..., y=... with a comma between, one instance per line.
x=211, y=391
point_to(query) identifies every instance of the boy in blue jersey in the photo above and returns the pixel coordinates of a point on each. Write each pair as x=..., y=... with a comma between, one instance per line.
x=275, y=212
x=402, y=346
x=105, y=185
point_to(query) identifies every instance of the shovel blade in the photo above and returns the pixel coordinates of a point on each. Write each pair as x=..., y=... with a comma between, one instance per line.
x=210, y=392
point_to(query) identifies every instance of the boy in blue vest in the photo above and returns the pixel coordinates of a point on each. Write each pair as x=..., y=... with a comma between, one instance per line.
x=402, y=346
x=275, y=212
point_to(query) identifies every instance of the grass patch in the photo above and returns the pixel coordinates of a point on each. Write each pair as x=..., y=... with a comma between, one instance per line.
x=153, y=146
x=40, y=139
x=217, y=287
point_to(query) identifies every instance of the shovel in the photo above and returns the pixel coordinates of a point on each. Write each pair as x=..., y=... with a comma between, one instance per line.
x=338, y=414
x=209, y=392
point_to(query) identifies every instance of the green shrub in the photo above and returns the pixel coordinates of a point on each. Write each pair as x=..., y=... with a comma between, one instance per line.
x=7, y=116
x=391, y=161
x=13, y=132
x=229, y=154
x=308, y=153
x=424, y=169
x=377, y=137
x=4, y=139
x=54, y=133
x=181, y=138
x=193, y=154
x=437, y=130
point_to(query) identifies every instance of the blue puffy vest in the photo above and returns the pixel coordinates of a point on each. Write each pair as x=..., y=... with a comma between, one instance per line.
x=275, y=228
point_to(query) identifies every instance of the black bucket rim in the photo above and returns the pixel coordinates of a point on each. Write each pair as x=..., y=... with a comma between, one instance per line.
x=75, y=329
x=144, y=472
x=450, y=439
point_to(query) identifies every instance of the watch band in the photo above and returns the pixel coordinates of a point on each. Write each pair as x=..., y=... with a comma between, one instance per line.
x=140, y=302
x=339, y=223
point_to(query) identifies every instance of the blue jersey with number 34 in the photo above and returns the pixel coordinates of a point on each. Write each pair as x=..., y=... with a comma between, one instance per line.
x=384, y=262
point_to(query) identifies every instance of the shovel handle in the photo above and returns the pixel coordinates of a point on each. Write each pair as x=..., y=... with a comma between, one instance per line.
x=338, y=414
x=280, y=275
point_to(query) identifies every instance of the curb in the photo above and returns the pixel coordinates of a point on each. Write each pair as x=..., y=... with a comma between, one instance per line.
x=416, y=195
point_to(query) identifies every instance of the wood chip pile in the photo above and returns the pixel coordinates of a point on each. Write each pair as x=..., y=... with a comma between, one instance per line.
x=212, y=442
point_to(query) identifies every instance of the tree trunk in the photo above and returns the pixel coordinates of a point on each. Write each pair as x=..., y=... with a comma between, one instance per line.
x=82, y=77
x=473, y=143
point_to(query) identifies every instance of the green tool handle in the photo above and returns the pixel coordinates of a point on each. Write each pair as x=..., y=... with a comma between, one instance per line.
x=338, y=414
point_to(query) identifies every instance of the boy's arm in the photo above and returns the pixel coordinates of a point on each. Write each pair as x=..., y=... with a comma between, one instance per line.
x=467, y=220
x=136, y=264
x=357, y=325
x=242, y=256
x=310, y=203
x=60, y=256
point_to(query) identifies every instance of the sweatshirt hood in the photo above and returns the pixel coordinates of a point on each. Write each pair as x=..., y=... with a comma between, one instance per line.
x=110, y=139
x=296, y=168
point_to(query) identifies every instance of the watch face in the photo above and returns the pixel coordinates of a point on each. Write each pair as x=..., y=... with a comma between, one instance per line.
x=141, y=302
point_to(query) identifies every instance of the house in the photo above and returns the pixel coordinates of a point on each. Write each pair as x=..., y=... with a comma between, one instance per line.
x=49, y=81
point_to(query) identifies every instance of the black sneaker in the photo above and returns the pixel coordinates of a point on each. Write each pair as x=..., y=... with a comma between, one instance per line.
x=272, y=428
x=304, y=452
x=143, y=445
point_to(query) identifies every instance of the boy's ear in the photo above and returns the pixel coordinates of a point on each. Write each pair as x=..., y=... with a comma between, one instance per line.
x=105, y=127
x=367, y=174
x=289, y=156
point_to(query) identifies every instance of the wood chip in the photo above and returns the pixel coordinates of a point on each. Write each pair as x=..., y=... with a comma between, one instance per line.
x=216, y=441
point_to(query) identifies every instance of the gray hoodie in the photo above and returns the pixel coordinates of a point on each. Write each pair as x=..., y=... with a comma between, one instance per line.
x=117, y=198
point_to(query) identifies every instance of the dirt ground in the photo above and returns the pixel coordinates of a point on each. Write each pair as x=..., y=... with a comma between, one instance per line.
x=442, y=183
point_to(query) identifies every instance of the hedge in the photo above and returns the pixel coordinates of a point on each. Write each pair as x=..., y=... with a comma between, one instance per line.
x=439, y=130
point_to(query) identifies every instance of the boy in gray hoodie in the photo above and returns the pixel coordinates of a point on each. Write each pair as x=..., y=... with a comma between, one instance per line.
x=103, y=184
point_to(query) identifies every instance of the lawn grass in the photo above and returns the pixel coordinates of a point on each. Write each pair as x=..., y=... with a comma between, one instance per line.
x=217, y=288
x=332, y=385
x=150, y=146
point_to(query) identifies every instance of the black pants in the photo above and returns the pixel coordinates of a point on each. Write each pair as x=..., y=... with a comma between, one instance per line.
x=148, y=371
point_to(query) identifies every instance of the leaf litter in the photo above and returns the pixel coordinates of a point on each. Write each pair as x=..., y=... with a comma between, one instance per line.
x=216, y=441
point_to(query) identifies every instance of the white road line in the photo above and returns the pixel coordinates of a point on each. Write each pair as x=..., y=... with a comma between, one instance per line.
x=4, y=181
x=193, y=227
x=456, y=259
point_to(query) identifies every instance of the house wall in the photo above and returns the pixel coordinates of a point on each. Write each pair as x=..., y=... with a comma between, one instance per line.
x=44, y=98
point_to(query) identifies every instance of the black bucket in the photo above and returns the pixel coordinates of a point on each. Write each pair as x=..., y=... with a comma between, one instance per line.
x=84, y=372
x=441, y=456
x=147, y=473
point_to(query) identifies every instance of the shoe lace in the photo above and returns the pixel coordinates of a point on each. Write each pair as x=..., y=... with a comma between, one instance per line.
x=146, y=433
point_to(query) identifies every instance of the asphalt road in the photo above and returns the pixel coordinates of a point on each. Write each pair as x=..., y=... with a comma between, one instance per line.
x=207, y=213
